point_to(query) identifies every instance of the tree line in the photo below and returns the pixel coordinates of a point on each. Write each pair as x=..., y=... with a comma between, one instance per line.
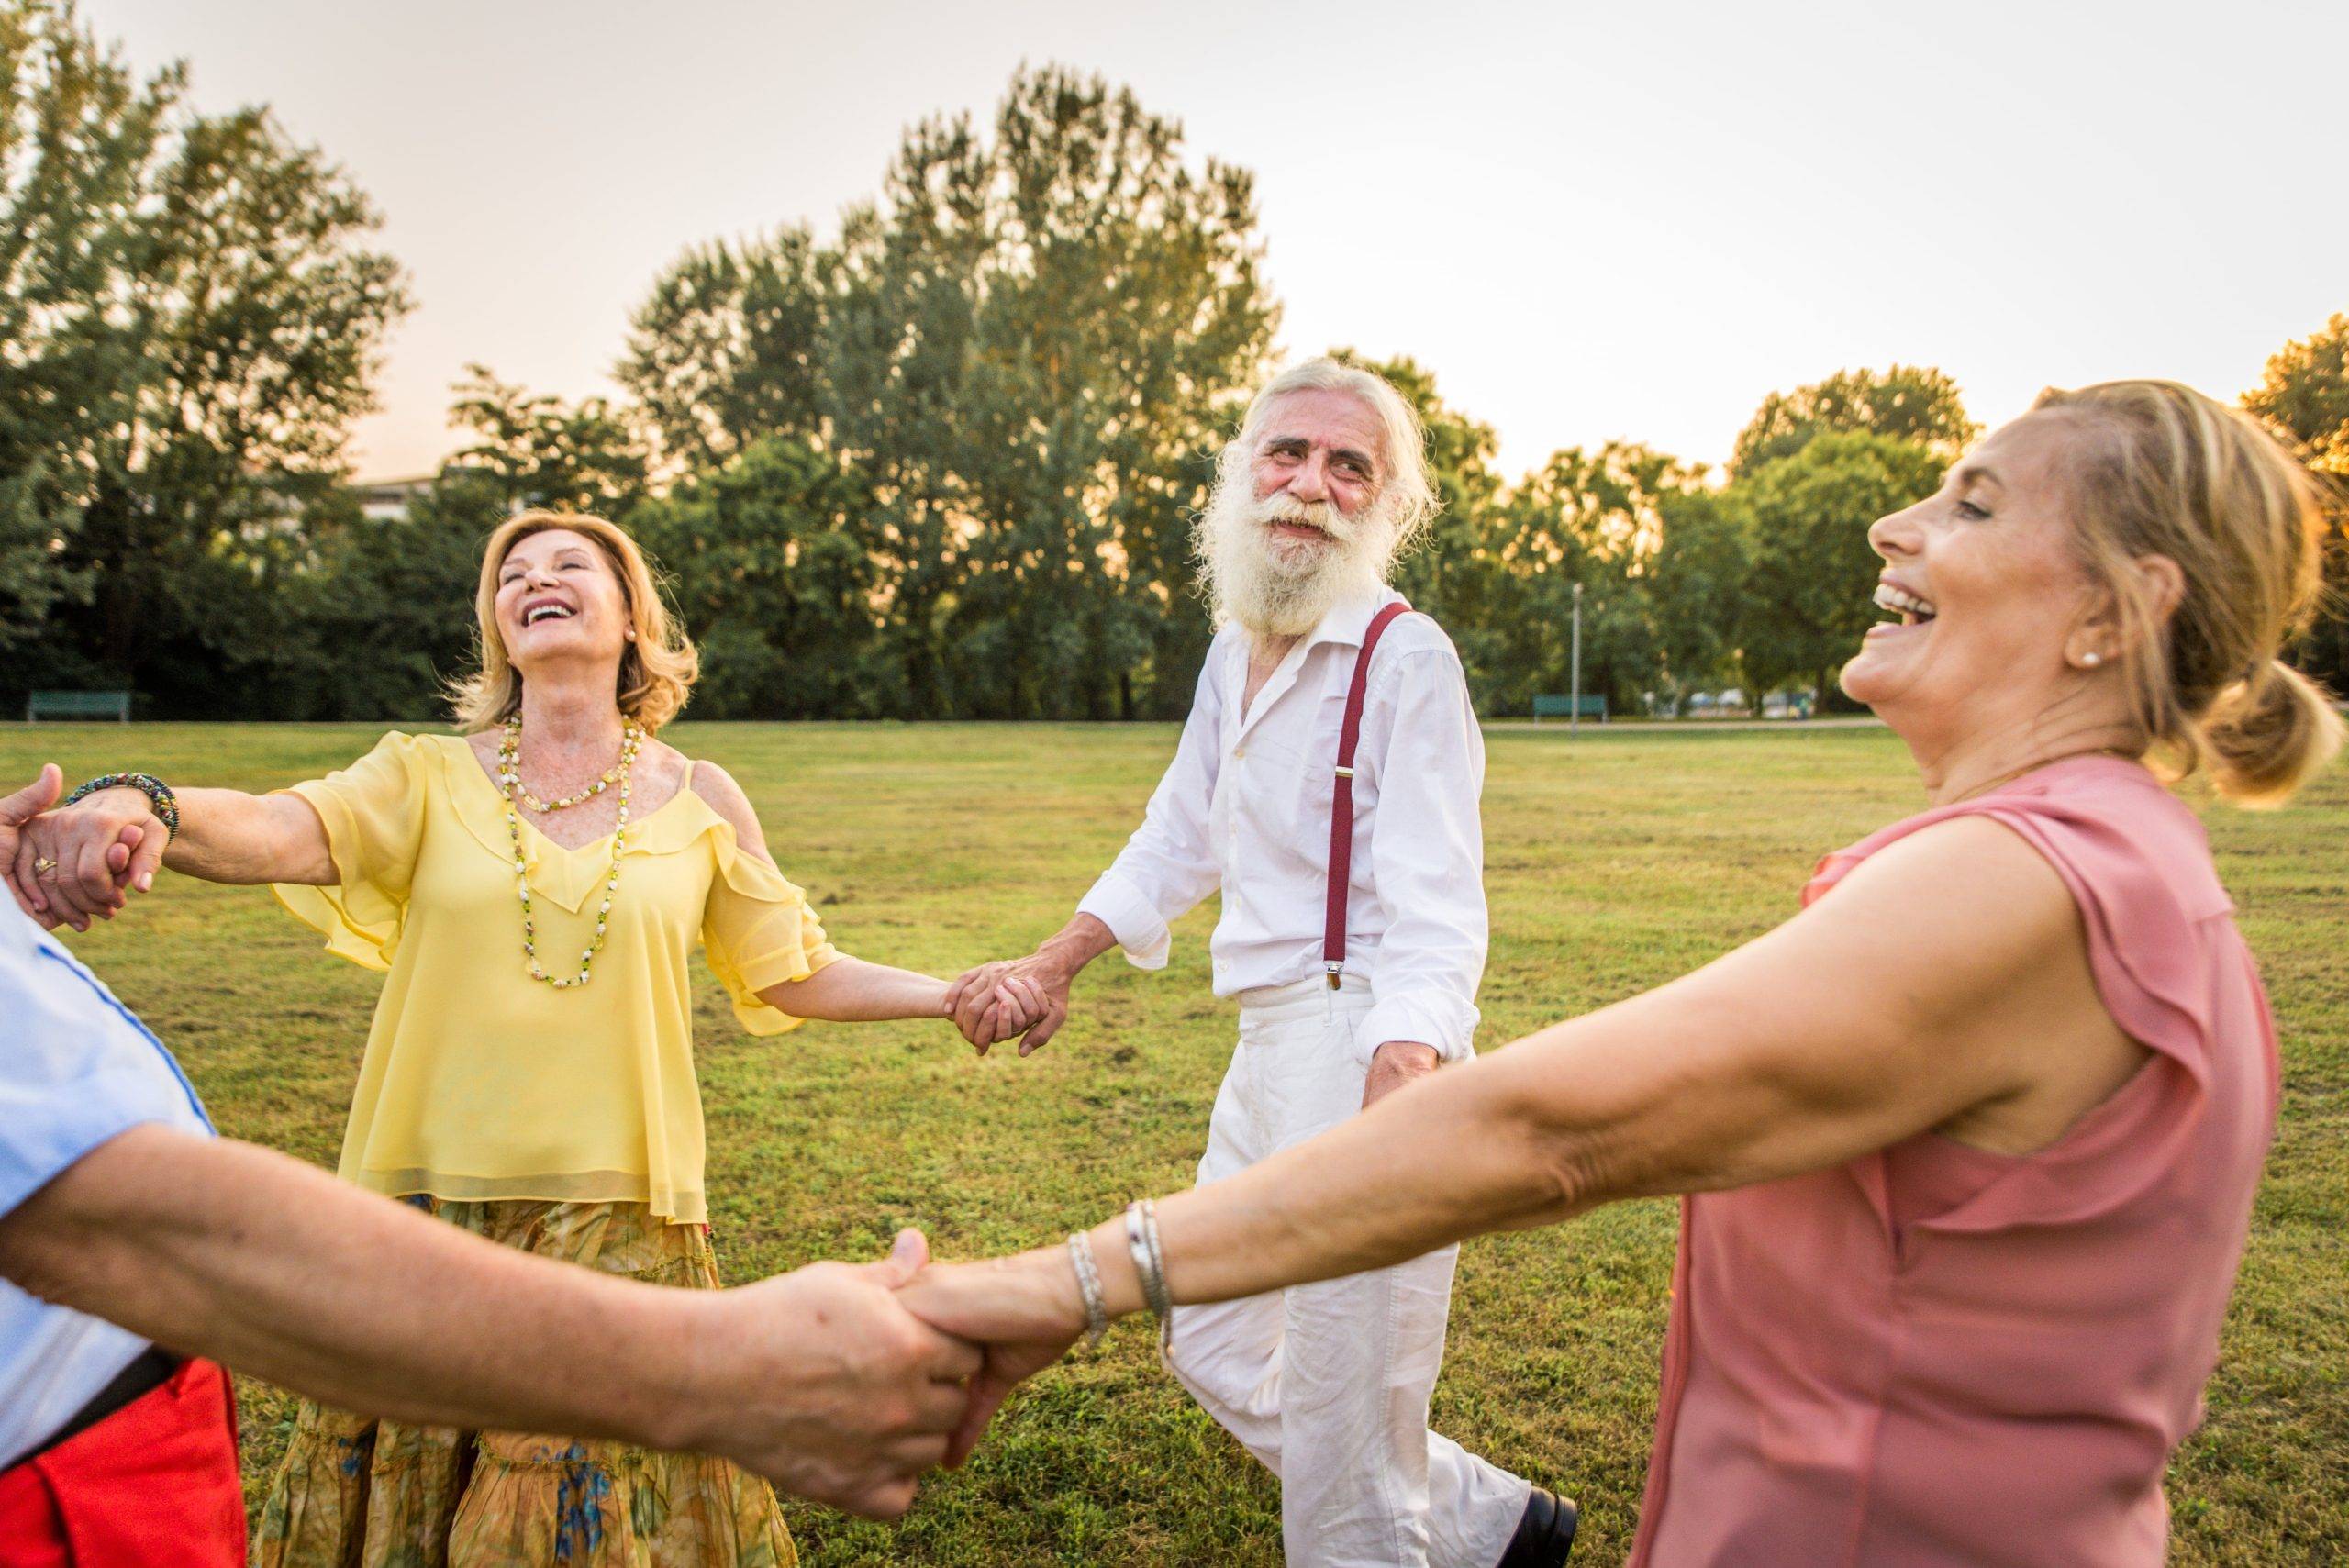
x=941, y=465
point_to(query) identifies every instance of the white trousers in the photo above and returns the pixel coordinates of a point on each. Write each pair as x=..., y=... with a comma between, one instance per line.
x=1328, y=1383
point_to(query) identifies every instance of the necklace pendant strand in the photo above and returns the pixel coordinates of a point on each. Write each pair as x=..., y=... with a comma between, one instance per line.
x=509, y=783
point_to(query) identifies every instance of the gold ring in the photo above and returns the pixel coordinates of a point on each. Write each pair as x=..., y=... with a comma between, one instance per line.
x=44, y=866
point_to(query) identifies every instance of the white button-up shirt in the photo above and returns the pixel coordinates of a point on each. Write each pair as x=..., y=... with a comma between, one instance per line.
x=1245, y=807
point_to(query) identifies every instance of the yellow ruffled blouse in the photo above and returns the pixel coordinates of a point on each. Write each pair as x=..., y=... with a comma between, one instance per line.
x=480, y=1082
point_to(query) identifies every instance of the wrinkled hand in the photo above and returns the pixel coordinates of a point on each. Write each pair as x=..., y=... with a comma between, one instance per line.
x=1398, y=1061
x=1023, y=1313
x=14, y=812
x=831, y=1388
x=973, y=1000
x=103, y=849
x=1017, y=1004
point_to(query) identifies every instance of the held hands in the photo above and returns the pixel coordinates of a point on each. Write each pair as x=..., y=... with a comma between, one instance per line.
x=1023, y=1312
x=914, y=1360
x=73, y=866
x=823, y=1382
x=1038, y=984
x=1002, y=1007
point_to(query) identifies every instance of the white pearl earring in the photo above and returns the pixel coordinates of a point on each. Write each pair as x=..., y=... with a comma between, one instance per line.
x=2091, y=660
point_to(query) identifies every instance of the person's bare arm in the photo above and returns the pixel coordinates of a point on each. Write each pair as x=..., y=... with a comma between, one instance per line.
x=1929, y=983
x=848, y=989
x=851, y=990
x=109, y=844
x=1935, y=981
x=816, y=1379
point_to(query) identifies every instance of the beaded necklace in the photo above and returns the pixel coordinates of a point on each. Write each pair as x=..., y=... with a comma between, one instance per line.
x=509, y=783
x=630, y=737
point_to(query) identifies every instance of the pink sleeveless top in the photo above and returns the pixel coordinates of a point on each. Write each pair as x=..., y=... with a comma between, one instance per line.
x=1939, y=1356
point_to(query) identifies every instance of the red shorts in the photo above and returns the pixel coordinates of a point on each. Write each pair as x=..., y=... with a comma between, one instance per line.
x=153, y=1486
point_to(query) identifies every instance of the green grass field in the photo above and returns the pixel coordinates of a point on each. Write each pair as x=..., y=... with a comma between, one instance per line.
x=1613, y=862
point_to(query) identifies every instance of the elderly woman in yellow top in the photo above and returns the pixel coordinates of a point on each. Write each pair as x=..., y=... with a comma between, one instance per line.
x=533, y=890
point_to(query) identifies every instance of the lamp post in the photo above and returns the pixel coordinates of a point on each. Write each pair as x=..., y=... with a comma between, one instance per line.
x=1574, y=718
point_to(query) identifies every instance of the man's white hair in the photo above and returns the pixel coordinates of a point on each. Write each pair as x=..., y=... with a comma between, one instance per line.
x=1403, y=490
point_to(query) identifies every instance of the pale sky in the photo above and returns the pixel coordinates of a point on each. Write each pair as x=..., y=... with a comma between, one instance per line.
x=1630, y=221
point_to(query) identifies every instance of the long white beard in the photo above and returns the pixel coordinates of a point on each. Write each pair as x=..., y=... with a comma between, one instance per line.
x=1276, y=588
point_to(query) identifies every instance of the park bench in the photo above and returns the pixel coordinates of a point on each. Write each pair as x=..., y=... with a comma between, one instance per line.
x=1594, y=707
x=77, y=705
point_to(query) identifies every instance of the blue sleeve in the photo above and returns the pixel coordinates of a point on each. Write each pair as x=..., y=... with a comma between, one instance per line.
x=76, y=1068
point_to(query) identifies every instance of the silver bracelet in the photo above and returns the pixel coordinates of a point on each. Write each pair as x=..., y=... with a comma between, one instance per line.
x=1088, y=1285
x=1149, y=1263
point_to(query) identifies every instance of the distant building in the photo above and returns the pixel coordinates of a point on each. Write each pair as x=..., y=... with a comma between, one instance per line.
x=387, y=500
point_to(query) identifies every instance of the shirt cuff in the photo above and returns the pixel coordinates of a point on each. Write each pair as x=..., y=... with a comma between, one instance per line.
x=1135, y=921
x=1431, y=1017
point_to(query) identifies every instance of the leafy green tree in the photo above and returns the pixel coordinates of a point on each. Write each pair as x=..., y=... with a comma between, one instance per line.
x=1593, y=518
x=1807, y=598
x=193, y=319
x=1696, y=584
x=379, y=618
x=727, y=349
x=1107, y=316
x=769, y=565
x=2305, y=393
x=537, y=451
x=1908, y=403
x=1028, y=347
x=77, y=134
x=1498, y=565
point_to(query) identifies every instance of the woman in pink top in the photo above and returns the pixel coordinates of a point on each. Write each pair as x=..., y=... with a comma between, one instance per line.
x=1973, y=1138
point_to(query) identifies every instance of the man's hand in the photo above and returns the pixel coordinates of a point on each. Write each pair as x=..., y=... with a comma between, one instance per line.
x=822, y=1380
x=1397, y=1062
x=94, y=852
x=1023, y=1312
x=14, y=812
x=972, y=998
x=991, y=1003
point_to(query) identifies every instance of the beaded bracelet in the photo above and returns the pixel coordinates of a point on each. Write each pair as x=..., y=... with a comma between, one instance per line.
x=1088, y=1287
x=1149, y=1263
x=166, y=804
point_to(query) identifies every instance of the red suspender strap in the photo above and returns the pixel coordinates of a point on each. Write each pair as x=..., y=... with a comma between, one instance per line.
x=1342, y=811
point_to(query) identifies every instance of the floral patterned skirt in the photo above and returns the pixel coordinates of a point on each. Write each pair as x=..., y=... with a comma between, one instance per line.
x=354, y=1492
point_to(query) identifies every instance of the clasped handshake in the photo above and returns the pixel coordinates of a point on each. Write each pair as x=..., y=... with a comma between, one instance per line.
x=845, y=1382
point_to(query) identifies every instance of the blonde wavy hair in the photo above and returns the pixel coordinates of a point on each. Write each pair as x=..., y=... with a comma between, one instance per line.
x=657, y=670
x=2165, y=470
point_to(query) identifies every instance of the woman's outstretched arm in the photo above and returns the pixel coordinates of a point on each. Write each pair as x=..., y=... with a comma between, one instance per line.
x=108, y=845
x=1946, y=974
x=854, y=990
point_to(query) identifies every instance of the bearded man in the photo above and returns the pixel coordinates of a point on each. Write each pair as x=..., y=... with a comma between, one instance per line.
x=1348, y=987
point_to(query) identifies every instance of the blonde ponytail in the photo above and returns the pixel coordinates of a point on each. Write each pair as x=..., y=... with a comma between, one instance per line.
x=2265, y=737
